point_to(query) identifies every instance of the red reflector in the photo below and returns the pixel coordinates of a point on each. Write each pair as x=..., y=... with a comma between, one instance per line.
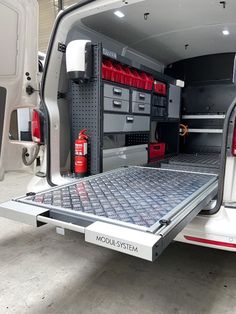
x=212, y=242
x=35, y=127
x=234, y=140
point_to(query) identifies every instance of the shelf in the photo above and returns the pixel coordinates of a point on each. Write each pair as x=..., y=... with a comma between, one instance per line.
x=165, y=119
x=160, y=95
x=212, y=131
x=204, y=116
x=148, y=91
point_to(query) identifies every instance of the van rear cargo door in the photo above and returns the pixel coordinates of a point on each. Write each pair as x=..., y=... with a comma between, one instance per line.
x=134, y=210
x=18, y=79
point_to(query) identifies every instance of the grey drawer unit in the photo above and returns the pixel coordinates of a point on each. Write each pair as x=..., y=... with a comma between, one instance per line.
x=141, y=97
x=117, y=105
x=125, y=123
x=113, y=91
x=142, y=108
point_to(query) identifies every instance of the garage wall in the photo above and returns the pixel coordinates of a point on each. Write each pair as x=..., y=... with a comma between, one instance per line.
x=48, y=10
x=69, y=2
x=47, y=13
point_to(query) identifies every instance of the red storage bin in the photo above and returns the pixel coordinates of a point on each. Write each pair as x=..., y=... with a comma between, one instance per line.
x=107, y=70
x=157, y=150
x=160, y=88
x=128, y=76
x=119, y=73
x=148, y=80
x=138, y=81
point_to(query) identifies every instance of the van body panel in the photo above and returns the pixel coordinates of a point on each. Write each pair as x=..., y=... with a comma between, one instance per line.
x=215, y=231
x=18, y=69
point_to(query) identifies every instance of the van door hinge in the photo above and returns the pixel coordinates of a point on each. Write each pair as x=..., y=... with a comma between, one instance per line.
x=61, y=47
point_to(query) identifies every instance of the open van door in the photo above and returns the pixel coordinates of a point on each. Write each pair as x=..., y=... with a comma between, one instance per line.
x=18, y=80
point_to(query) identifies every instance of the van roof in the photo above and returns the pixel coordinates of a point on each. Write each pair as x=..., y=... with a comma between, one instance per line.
x=173, y=29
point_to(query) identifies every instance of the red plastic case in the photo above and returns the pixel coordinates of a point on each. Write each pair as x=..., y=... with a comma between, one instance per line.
x=116, y=72
x=148, y=80
x=119, y=74
x=157, y=150
x=160, y=88
x=107, y=70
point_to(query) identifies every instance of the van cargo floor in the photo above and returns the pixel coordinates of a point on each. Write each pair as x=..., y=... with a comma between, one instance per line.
x=139, y=196
x=197, y=160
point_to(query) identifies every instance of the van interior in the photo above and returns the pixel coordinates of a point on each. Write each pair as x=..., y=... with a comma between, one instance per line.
x=162, y=80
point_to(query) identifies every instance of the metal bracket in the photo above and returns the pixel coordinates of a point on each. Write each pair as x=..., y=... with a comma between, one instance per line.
x=61, y=95
x=61, y=47
x=165, y=222
x=60, y=231
x=29, y=90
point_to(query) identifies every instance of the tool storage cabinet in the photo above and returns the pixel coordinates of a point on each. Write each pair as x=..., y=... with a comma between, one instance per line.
x=116, y=106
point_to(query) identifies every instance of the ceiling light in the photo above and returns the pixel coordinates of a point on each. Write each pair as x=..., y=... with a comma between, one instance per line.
x=119, y=14
x=225, y=32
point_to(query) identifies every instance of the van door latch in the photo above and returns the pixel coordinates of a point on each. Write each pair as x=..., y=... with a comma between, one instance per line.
x=29, y=90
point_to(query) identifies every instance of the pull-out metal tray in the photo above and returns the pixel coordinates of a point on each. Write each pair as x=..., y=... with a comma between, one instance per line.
x=209, y=160
x=126, y=205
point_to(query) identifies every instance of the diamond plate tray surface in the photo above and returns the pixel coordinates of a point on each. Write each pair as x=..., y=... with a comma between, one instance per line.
x=191, y=168
x=141, y=196
x=209, y=160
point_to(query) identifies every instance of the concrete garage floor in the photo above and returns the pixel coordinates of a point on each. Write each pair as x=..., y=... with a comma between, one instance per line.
x=42, y=272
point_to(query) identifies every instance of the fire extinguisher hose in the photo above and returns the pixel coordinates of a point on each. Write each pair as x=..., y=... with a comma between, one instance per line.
x=26, y=154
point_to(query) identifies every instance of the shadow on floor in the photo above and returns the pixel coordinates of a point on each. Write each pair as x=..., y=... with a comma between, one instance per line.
x=76, y=277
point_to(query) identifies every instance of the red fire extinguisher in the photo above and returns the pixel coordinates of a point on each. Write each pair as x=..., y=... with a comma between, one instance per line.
x=81, y=151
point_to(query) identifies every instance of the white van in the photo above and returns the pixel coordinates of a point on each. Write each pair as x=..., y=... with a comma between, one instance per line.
x=153, y=82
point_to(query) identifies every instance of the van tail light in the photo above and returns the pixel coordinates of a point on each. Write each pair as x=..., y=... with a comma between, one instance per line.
x=36, y=127
x=234, y=140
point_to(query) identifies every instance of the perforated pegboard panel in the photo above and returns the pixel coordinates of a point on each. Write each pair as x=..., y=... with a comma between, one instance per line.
x=136, y=139
x=86, y=113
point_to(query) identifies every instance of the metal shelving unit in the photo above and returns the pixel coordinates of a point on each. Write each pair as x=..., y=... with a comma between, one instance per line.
x=204, y=117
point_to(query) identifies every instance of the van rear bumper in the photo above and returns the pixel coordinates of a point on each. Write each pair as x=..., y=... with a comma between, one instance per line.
x=216, y=231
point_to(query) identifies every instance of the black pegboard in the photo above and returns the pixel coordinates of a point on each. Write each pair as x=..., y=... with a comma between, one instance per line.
x=136, y=139
x=85, y=110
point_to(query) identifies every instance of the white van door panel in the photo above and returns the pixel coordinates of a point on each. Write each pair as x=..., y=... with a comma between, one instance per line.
x=18, y=69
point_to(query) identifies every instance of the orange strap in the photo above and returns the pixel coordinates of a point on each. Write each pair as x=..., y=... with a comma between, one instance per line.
x=184, y=129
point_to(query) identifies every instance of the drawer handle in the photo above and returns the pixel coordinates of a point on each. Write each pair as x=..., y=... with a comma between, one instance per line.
x=142, y=96
x=116, y=103
x=129, y=119
x=141, y=107
x=117, y=91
